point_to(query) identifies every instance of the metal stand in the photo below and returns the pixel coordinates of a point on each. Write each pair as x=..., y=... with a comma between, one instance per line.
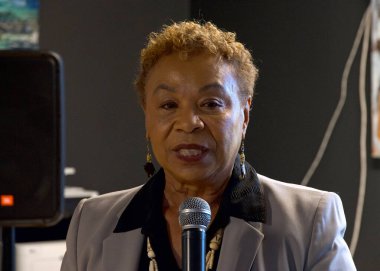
x=7, y=258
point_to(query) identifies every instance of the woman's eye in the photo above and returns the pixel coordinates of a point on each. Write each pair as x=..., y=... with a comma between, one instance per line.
x=213, y=104
x=168, y=105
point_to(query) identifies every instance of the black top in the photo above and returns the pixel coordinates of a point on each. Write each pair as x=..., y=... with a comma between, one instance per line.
x=242, y=199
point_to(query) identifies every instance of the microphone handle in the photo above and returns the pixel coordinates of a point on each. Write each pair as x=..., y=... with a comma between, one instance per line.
x=193, y=249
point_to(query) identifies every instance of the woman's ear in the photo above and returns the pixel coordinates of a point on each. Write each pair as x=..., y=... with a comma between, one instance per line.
x=246, y=108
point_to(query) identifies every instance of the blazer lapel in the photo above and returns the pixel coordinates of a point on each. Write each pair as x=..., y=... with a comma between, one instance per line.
x=121, y=251
x=240, y=244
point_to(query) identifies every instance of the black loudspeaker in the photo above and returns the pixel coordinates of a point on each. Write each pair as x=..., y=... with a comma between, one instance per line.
x=31, y=138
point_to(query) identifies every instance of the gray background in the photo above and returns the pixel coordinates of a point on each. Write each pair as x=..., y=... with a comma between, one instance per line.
x=300, y=47
x=100, y=42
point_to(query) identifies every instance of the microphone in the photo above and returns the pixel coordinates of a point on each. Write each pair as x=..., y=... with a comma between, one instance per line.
x=194, y=218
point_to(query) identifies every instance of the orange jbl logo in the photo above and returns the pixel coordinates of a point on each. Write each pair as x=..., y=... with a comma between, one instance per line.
x=7, y=200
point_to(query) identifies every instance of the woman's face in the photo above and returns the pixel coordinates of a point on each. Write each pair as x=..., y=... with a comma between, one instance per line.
x=194, y=118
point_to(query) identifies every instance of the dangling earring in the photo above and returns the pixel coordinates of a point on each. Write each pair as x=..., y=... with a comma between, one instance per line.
x=149, y=167
x=242, y=160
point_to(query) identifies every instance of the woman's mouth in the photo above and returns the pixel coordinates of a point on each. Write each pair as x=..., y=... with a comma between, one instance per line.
x=190, y=152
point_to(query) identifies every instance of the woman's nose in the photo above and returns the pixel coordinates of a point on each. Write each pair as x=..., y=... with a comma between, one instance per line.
x=189, y=121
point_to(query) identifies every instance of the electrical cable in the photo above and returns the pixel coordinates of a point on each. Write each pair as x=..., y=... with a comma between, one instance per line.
x=363, y=135
x=363, y=31
x=342, y=100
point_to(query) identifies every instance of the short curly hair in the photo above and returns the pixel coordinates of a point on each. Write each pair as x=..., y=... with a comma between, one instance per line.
x=191, y=37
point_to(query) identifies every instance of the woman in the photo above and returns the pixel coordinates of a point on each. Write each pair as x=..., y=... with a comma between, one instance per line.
x=196, y=86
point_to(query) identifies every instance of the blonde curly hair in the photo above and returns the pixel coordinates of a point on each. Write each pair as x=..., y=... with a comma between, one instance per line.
x=191, y=37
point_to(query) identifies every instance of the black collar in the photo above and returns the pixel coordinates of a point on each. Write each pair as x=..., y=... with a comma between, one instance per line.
x=242, y=199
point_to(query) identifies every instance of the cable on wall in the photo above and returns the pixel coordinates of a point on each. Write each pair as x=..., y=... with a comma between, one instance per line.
x=342, y=100
x=362, y=32
x=363, y=134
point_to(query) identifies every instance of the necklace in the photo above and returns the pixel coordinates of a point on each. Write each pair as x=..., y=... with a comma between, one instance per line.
x=214, y=246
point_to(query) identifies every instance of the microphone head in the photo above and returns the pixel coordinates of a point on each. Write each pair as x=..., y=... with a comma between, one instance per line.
x=194, y=213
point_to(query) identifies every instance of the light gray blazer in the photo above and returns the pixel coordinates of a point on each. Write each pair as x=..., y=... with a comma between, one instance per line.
x=304, y=231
